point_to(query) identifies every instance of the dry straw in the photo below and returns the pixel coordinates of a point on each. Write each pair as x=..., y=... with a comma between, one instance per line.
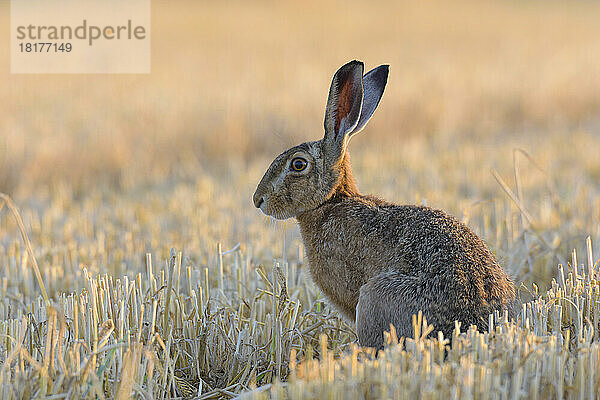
x=151, y=337
x=165, y=334
x=551, y=351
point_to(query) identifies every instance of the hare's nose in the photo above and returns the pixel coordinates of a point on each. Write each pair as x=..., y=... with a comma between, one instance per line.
x=258, y=200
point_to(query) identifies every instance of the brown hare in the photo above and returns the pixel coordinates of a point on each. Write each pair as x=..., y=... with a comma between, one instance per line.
x=378, y=263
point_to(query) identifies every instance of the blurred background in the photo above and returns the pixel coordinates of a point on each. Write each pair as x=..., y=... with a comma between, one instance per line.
x=112, y=166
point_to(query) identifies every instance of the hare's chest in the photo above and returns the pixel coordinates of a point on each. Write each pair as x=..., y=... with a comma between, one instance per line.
x=339, y=280
x=338, y=252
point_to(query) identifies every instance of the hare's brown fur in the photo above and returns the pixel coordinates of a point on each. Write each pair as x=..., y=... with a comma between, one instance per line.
x=377, y=262
x=428, y=258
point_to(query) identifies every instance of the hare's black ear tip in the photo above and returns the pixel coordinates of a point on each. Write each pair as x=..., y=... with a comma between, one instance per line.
x=380, y=74
x=384, y=70
x=353, y=64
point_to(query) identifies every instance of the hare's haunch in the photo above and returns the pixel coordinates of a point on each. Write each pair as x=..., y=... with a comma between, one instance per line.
x=377, y=262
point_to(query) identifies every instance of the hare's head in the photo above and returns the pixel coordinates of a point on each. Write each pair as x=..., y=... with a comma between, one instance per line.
x=303, y=177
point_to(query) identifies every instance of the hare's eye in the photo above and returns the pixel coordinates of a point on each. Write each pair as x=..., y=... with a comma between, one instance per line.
x=299, y=164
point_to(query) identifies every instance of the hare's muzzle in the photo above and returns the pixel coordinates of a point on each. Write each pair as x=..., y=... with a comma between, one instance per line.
x=258, y=200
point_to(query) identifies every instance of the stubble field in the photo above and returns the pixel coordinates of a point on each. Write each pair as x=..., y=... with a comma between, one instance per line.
x=164, y=281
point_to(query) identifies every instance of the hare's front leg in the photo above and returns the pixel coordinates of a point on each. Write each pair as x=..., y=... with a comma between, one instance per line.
x=393, y=298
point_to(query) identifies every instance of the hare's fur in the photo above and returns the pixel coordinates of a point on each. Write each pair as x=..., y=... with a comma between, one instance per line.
x=381, y=263
x=377, y=262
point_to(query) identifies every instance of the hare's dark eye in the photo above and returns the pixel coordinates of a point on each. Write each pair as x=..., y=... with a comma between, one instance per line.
x=299, y=164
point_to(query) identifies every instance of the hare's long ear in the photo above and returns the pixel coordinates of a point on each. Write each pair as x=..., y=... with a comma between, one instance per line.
x=373, y=86
x=343, y=107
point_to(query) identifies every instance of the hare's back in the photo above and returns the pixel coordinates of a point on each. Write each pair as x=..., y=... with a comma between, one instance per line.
x=431, y=238
x=437, y=246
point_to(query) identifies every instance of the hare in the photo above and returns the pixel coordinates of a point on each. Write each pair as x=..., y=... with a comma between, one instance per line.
x=378, y=263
